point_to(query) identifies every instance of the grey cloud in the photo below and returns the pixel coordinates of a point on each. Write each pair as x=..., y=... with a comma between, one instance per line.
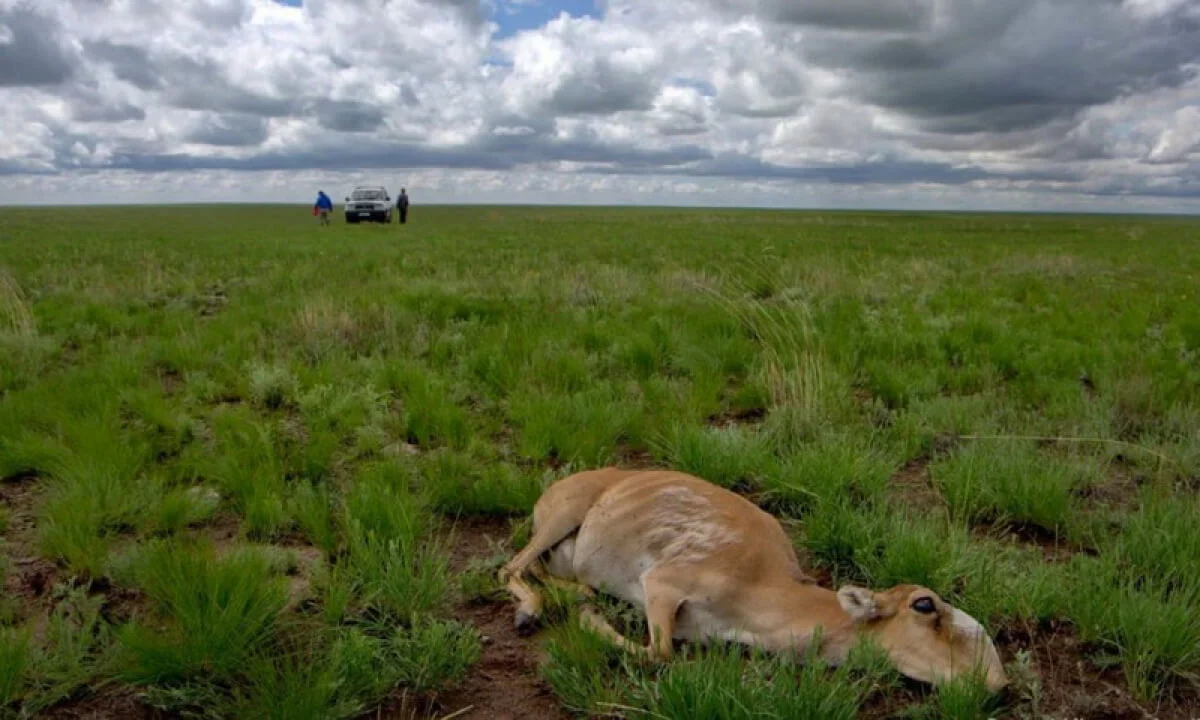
x=1019, y=64
x=348, y=116
x=535, y=148
x=889, y=15
x=372, y=156
x=600, y=87
x=521, y=126
x=495, y=152
x=680, y=119
x=129, y=63
x=1088, y=140
x=34, y=52
x=508, y=152
x=1060, y=139
x=1184, y=186
x=203, y=85
x=230, y=131
x=889, y=171
x=765, y=109
x=94, y=108
x=471, y=10
x=220, y=14
x=764, y=78
x=681, y=125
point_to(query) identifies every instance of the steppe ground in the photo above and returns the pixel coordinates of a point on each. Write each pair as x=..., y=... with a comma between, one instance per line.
x=257, y=468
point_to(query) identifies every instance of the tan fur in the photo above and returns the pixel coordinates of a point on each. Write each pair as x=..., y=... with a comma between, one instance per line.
x=704, y=563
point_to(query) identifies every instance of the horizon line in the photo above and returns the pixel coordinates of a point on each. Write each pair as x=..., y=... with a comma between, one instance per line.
x=625, y=206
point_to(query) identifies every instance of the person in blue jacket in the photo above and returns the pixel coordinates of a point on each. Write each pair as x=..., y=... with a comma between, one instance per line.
x=324, y=206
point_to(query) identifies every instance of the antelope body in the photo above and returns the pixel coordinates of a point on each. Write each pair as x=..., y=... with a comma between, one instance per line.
x=703, y=563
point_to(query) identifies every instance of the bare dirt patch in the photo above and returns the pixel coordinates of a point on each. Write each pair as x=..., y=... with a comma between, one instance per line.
x=116, y=702
x=31, y=583
x=30, y=576
x=1117, y=492
x=636, y=458
x=743, y=416
x=912, y=486
x=224, y=529
x=171, y=380
x=1068, y=685
x=504, y=684
x=1073, y=687
x=1053, y=549
x=893, y=701
x=210, y=302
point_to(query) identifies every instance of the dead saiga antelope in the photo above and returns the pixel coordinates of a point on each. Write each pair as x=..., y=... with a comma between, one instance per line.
x=704, y=563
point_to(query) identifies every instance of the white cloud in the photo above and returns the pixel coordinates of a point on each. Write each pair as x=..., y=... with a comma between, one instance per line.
x=908, y=101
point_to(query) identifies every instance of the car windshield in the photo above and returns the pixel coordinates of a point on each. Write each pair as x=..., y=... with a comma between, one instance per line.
x=367, y=195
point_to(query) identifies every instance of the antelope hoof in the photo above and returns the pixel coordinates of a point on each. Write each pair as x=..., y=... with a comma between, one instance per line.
x=526, y=623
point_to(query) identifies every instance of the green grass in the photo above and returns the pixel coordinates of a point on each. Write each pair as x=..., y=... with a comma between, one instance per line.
x=195, y=389
x=1007, y=483
x=212, y=612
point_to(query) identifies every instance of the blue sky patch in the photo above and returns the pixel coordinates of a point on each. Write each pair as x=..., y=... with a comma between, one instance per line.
x=513, y=16
x=291, y=3
x=703, y=87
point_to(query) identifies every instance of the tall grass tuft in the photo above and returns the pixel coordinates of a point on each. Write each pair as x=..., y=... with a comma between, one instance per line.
x=964, y=698
x=214, y=612
x=832, y=467
x=583, y=427
x=842, y=536
x=75, y=651
x=1010, y=483
x=271, y=386
x=179, y=508
x=459, y=484
x=14, y=659
x=431, y=655
x=312, y=505
x=1151, y=628
x=98, y=491
x=728, y=456
x=586, y=671
x=393, y=552
x=16, y=317
x=250, y=471
x=719, y=684
x=1160, y=540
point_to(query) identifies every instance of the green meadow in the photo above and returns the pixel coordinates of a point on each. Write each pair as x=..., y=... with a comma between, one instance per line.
x=257, y=468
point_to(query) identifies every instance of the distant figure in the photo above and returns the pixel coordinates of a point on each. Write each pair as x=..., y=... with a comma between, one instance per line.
x=323, y=206
x=402, y=206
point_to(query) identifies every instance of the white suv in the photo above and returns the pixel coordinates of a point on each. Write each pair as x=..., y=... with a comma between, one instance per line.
x=369, y=202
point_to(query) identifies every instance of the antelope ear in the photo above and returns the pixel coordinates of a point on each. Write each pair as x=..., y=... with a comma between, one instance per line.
x=859, y=603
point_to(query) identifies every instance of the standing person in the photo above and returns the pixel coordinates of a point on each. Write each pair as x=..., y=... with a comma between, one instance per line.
x=402, y=206
x=324, y=206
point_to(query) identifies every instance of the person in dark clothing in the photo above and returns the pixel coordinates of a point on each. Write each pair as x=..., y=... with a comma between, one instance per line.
x=402, y=206
x=323, y=206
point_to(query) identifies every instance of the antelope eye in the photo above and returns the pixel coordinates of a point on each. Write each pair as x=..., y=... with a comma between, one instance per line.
x=924, y=605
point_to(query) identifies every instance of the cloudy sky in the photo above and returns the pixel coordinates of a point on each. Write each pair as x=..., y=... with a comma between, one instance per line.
x=983, y=104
